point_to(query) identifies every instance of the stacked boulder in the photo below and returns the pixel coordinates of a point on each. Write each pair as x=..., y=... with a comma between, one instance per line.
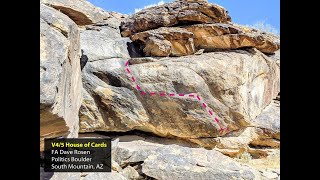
x=85, y=88
x=186, y=26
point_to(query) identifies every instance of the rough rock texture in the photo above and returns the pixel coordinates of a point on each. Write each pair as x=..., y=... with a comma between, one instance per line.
x=225, y=36
x=233, y=89
x=257, y=140
x=276, y=56
x=269, y=120
x=173, y=14
x=133, y=149
x=153, y=158
x=236, y=142
x=81, y=12
x=104, y=176
x=268, y=167
x=90, y=117
x=156, y=37
x=103, y=43
x=175, y=162
x=248, y=140
x=268, y=126
x=121, y=111
x=185, y=40
x=106, y=104
x=58, y=176
x=237, y=85
x=60, y=75
x=130, y=173
x=166, y=42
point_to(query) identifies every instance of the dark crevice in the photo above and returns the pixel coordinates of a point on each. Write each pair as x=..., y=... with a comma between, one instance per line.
x=145, y=177
x=278, y=97
x=138, y=167
x=182, y=23
x=255, y=146
x=78, y=17
x=103, y=25
x=63, y=32
x=147, y=136
x=109, y=78
x=167, y=8
x=44, y=68
x=135, y=49
x=83, y=59
x=132, y=164
x=247, y=49
x=132, y=132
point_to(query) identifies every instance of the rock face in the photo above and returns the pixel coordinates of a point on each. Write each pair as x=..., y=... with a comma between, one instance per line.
x=200, y=25
x=166, y=42
x=207, y=83
x=173, y=14
x=153, y=158
x=60, y=75
x=80, y=11
x=225, y=36
x=106, y=50
x=269, y=120
x=102, y=44
x=174, y=162
x=105, y=176
x=236, y=85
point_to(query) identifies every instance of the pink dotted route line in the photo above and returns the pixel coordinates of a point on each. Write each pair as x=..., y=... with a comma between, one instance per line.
x=162, y=94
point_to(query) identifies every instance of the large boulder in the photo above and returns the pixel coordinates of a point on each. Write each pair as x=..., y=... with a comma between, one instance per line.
x=219, y=100
x=60, y=75
x=199, y=25
x=173, y=14
x=234, y=85
x=81, y=12
x=105, y=101
x=103, y=43
x=155, y=158
x=166, y=42
x=176, y=162
x=119, y=110
x=185, y=40
x=226, y=36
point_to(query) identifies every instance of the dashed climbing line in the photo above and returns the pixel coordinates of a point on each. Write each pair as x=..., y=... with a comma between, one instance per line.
x=162, y=94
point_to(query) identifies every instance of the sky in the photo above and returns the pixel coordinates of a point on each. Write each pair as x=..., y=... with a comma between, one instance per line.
x=255, y=13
